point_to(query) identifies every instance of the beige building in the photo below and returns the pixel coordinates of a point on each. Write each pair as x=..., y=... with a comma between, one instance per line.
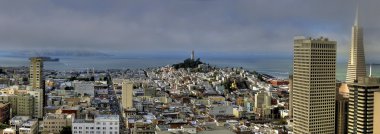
x=25, y=104
x=376, y=113
x=127, y=95
x=38, y=103
x=356, y=64
x=36, y=73
x=54, y=123
x=263, y=103
x=314, y=85
x=361, y=105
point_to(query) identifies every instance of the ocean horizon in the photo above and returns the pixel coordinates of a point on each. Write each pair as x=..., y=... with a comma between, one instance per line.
x=277, y=67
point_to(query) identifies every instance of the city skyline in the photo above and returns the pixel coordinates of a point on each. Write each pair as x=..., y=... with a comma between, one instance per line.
x=207, y=26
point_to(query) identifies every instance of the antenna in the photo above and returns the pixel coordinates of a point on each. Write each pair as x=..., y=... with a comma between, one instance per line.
x=370, y=70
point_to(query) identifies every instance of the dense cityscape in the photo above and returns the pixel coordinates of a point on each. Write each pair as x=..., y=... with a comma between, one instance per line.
x=197, y=97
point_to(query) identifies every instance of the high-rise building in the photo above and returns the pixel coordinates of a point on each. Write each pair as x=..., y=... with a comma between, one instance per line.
x=36, y=78
x=356, y=64
x=376, y=113
x=263, y=102
x=314, y=85
x=361, y=105
x=127, y=95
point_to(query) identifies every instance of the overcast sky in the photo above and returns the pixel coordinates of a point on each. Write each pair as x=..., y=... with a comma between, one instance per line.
x=264, y=27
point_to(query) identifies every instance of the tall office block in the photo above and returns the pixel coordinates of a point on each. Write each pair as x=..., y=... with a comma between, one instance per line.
x=376, y=113
x=314, y=85
x=127, y=94
x=356, y=64
x=36, y=73
x=361, y=104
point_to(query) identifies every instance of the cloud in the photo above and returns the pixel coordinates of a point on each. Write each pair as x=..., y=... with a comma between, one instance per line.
x=241, y=26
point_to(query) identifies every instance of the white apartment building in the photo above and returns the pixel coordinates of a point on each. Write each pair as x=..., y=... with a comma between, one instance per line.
x=102, y=124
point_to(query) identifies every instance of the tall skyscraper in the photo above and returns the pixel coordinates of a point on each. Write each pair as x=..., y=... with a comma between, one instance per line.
x=127, y=94
x=356, y=64
x=36, y=73
x=314, y=85
x=361, y=105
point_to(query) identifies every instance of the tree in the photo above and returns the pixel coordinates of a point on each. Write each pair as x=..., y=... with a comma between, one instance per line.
x=66, y=130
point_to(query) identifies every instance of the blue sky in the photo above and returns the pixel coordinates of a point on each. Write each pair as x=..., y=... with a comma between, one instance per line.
x=211, y=27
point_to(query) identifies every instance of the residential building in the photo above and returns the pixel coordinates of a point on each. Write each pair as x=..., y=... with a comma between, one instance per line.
x=4, y=112
x=361, y=105
x=54, y=123
x=36, y=78
x=12, y=100
x=356, y=64
x=37, y=94
x=25, y=104
x=9, y=131
x=127, y=95
x=29, y=127
x=108, y=124
x=82, y=88
x=314, y=85
x=263, y=103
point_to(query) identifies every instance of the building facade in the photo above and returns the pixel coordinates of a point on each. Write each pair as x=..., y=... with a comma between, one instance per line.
x=25, y=105
x=54, y=123
x=127, y=95
x=314, y=85
x=5, y=109
x=36, y=78
x=102, y=124
x=361, y=105
x=37, y=94
x=376, y=113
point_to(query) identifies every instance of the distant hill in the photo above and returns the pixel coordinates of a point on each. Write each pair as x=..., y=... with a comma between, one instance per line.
x=188, y=63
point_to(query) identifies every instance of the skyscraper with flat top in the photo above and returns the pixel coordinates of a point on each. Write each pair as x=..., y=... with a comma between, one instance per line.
x=356, y=64
x=127, y=94
x=314, y=85
x=361, y=105
x=36, y=73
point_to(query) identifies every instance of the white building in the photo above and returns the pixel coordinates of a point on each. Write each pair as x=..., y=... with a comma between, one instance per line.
x=102, y=124
x=84, y=88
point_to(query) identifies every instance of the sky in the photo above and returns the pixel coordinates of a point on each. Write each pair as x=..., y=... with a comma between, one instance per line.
x=216, y=27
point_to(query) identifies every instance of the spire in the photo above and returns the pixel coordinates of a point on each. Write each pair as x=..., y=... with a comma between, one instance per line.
x=357, y=16
x=370, y=70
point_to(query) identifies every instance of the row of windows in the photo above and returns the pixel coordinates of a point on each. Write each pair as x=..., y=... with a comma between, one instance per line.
x=97, y=132
x=98, y=128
